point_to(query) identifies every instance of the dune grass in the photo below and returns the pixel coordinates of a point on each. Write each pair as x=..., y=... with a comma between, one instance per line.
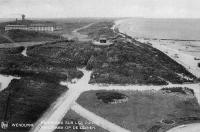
x=144, y=109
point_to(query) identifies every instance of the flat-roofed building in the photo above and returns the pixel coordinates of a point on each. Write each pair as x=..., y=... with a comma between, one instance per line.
x=34, y=27
x=11, y=27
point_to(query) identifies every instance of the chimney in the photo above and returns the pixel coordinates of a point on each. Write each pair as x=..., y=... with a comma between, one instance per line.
x=23, y=17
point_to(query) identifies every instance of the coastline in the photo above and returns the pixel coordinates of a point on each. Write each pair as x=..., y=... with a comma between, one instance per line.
x=174, y=52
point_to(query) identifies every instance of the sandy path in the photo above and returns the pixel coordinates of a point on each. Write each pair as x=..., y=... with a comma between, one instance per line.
x=24, y=52
x=111, y=127
x=81, y=37
x=5, y=81
x=49, y=121
x=58, y=110
x=8, y=38
x=76, y=35
x=78, y=29
x=53, y=116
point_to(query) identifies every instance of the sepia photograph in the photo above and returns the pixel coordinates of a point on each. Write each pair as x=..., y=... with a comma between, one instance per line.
x=99, y=66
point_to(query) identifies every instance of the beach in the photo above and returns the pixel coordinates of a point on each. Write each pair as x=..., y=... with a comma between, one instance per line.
x=185, y=52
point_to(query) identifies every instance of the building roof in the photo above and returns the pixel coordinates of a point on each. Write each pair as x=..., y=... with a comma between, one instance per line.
x=16, y=25
x=42, y=25
x=32, y=25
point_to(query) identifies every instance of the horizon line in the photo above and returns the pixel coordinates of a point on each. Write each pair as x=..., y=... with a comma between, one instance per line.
x=102, y=17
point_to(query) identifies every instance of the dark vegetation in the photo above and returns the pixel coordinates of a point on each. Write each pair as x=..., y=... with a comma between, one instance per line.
x=13, y=63
x=135, y=63
x=11, y=51
x=25, y=100
x=179, y=90
x=108, y=97
x=154, y=128
x=26, y=36
x=3, y=40
x=68, y=54
x=169, y=122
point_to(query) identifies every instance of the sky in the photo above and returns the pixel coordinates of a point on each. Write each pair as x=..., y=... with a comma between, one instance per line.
x=100, y=8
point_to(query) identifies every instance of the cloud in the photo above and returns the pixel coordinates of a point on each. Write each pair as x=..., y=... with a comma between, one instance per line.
x=100, y=8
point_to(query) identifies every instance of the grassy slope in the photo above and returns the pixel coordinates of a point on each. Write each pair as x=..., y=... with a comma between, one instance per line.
x=36, y=90
x=25, y=36
x=73, y=117
x=129, y=61
x=120, y=63
x=3, y=40
x=70, y=54
x=29, y=99
x=13, y=63
x=144, y=110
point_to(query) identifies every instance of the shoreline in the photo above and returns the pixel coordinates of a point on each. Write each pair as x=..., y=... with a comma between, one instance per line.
x=182, y=57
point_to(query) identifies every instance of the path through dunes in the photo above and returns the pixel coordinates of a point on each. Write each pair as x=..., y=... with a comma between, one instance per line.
x=58, y=110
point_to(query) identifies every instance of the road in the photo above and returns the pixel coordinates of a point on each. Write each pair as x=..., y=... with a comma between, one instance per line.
x=107, y=125
x=76, y=35
x=58, y=110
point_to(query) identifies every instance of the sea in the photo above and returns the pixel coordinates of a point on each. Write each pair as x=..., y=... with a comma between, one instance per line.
x=182, y=29
x=180, y=34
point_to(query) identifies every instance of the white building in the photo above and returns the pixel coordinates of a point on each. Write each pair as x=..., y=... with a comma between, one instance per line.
x=34, y=27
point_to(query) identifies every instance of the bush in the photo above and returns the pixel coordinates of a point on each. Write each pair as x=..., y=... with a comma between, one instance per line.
x=108, y=97
x=178, y=90
x=22, y=36
x=28, y=100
